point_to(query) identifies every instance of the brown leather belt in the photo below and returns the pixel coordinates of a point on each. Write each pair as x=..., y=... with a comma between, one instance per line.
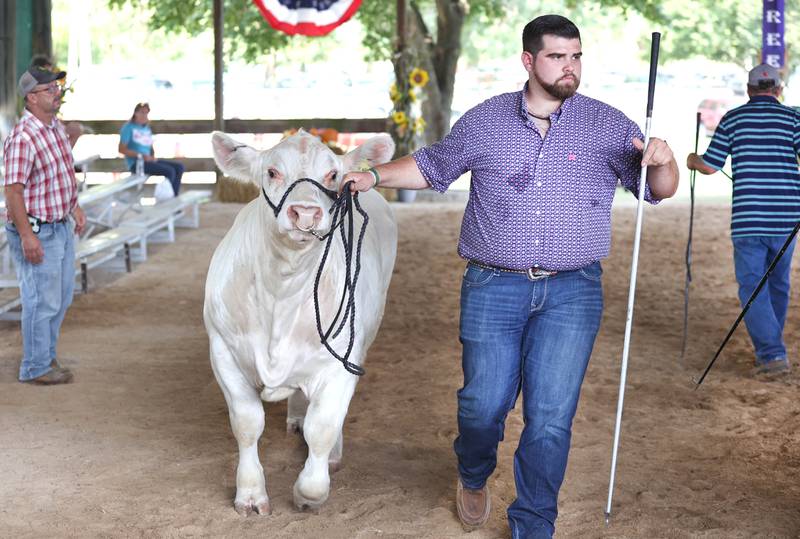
x=534, y=274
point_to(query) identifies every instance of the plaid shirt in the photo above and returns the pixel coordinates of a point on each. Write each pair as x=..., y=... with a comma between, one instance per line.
x=39, y=157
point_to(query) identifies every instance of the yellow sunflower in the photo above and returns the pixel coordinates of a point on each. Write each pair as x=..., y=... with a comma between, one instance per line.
x=399, y=117
x=394, y=95
x=419, y=125
x=418, y=77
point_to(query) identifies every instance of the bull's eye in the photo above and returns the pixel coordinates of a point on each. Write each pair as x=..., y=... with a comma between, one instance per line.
x=272, y=174
x=330, y=178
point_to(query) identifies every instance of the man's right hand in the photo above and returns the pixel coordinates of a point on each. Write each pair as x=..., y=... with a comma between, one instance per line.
x=695, y=162
x=32, y=249
x=362, y=181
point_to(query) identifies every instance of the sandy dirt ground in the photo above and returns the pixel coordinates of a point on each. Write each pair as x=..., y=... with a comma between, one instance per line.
x=140, y=444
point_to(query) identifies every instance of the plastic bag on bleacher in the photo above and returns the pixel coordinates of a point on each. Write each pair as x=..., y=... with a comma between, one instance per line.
x=164, y=191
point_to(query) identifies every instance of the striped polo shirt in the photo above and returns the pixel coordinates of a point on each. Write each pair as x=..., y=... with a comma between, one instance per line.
x=763, y=139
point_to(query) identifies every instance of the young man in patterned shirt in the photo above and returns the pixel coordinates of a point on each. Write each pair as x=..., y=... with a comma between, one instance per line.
x=544, y=163
x=41, y=195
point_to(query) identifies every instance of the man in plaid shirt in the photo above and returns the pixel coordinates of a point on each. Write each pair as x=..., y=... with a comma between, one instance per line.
x=41, y=196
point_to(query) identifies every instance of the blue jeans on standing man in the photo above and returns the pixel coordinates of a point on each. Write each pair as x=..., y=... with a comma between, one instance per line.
x=46, y=292
x=171, y=170
x=752, y=256
x=533, y=337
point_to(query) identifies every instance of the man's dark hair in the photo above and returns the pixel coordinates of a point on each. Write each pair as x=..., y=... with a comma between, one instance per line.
x=764, y=85
x=553, y=25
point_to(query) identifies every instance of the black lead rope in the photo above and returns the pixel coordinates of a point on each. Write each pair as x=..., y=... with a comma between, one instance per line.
x=342, y=216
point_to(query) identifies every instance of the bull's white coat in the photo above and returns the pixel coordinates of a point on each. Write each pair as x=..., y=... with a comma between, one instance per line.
x=259, y=310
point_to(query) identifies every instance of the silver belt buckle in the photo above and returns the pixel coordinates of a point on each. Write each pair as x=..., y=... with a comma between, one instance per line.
x=536, y=274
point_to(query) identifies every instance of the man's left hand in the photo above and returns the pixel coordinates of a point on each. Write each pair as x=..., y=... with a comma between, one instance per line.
x=80, y=220
x=657, y=153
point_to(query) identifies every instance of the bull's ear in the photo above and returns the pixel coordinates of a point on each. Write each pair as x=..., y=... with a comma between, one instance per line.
x=233, y=158
x=375, y=151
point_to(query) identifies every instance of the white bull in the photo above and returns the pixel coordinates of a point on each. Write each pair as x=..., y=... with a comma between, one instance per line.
x=259, y=307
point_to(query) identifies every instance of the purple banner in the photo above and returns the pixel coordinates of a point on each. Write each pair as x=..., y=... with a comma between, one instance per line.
x=772, y=42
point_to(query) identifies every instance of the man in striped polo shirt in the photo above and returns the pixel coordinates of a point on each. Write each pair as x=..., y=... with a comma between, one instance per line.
x=41, y=195
x=763, y=139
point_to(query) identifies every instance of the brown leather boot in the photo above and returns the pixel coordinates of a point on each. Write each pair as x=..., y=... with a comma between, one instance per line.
x=59, y=375
x=473, y=506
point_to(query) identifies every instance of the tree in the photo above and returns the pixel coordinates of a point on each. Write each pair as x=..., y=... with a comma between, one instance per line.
x=719, y=29
x=726, y=30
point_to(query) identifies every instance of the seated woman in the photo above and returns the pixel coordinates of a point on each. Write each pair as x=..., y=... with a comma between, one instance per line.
x=136, y=138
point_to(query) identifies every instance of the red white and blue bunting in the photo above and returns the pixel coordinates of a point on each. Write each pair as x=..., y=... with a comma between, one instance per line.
x=307, y=17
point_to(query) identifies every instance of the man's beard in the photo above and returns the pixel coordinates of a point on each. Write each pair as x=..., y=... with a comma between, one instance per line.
x=559, y=91
x=54, y=105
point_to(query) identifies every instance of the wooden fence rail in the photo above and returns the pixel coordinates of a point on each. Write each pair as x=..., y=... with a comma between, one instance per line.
x=234, y=125
x=204, y=164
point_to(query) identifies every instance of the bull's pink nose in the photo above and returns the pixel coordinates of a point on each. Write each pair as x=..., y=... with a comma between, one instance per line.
x=304, y=217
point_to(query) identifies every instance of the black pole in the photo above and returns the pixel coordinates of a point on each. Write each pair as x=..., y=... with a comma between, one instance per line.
x=651, y=87
x=692, y=177
x=750, y=301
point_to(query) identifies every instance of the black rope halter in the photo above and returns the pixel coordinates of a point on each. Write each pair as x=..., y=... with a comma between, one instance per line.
x=342, y=217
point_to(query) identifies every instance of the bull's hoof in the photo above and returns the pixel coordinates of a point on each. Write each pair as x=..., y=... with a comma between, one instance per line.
x=304, y=504
x=294, y=428
x=248, y=507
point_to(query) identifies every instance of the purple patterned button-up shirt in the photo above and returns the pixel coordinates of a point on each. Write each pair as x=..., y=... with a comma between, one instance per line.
x=537, y=202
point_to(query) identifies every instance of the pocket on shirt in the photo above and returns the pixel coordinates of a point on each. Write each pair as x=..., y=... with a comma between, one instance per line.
x=584, y=161
x=589, y=171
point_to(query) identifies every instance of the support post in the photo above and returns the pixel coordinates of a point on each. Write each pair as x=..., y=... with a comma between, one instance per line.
x=42, y=28
x=8, y=66
x=219, y=121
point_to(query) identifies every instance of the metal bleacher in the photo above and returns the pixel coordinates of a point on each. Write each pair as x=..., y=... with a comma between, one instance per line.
x=118, y=231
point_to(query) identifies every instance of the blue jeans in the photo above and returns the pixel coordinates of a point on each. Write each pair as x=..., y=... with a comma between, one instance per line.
x=752, y=255
x=46, y=292
x=171, y=170
x=535, y=337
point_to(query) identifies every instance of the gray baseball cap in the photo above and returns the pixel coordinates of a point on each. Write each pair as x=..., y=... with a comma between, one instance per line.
x=763, y=73
x=35, y=76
